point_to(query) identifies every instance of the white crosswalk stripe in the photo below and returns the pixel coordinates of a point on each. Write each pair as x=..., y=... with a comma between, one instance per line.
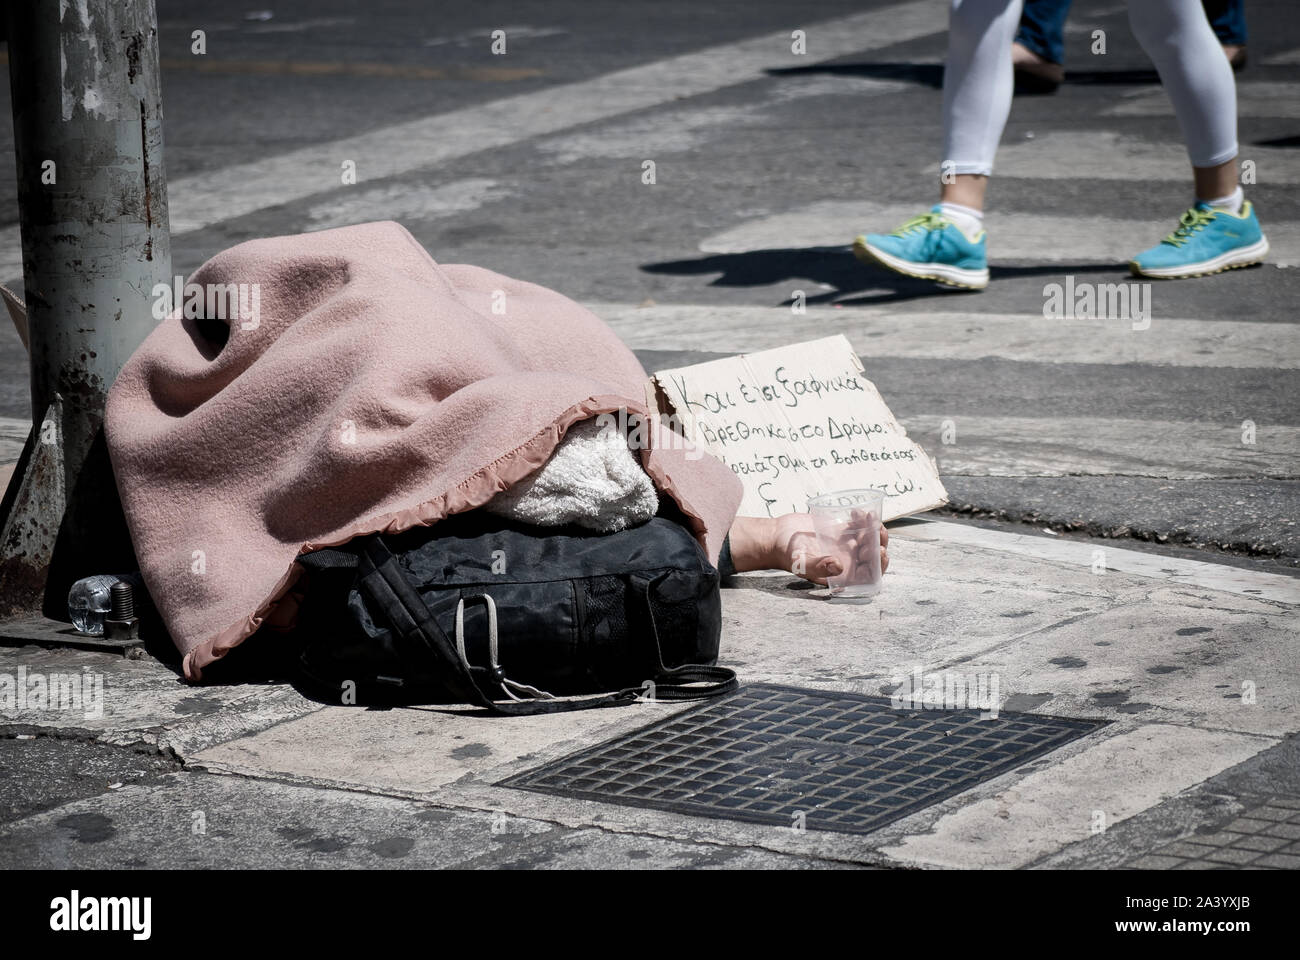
x=1255, y=99
x=1012, y=236
x=1102, y=446
x=1106, y=155
x=953, y=335
x=1019, y=446
x=1287, y=58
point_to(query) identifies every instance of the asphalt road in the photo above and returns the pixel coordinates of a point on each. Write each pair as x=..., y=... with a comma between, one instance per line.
x=767, y=164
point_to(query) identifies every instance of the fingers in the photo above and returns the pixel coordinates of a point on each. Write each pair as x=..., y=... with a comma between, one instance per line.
x=822, y=567
x=816, y=567
x=854, y=547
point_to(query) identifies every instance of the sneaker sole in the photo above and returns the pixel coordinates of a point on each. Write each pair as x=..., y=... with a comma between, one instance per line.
x=938, y=272
x=1245, y=257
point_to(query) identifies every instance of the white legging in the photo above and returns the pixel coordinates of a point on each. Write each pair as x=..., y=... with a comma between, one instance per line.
x=978, y=81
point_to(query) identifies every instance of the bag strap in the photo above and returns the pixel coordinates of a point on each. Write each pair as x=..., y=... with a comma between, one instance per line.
x=329, y=558
x=382, y=581
x=676, y=683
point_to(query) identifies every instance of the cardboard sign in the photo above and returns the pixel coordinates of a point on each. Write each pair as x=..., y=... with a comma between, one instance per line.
x=797, y=422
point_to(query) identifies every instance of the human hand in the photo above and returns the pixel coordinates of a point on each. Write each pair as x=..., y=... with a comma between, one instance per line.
x=795, y=547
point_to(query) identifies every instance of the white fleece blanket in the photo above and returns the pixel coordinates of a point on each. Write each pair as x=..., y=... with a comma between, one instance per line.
x=592, y=479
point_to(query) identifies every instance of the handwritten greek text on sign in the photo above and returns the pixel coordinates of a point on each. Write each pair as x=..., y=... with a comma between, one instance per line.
x=799, y=421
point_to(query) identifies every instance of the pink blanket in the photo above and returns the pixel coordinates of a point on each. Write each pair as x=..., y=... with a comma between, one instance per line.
x=363, y=388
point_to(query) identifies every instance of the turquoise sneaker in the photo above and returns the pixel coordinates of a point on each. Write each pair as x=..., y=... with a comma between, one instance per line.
x=1207, y=241
x=930, y=247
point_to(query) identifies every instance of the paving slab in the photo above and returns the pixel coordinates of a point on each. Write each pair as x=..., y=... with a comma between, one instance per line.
x=411, y=751
x=1120, y=776
x=197, y=821
x=1204, y=660
x=41, y=772
x=141, y=701
x=1251, y=806
x=1100, y=556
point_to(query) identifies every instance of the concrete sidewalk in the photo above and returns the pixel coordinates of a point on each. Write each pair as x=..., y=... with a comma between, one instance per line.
x=1193, y=664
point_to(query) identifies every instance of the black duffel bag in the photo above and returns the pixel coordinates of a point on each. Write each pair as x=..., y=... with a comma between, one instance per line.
x=480, y=610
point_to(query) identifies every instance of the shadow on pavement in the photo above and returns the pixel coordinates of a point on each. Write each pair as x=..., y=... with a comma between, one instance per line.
x=931, y=74
x=923, y=74
x=1112, y=77
x=839, y=274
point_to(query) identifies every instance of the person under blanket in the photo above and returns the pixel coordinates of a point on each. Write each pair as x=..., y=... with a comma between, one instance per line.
x=593, y=480
x=368, y=388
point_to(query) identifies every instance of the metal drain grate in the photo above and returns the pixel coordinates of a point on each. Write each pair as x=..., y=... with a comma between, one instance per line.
x=767, y=754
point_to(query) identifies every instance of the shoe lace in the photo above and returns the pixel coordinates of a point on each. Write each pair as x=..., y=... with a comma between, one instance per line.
x=926, y=221
x=1189, y=223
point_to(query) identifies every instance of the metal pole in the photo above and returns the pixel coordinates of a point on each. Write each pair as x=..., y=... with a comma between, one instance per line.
x=87, y=112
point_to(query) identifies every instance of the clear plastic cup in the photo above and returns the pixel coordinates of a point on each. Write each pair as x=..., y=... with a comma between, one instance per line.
x=848, y=528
